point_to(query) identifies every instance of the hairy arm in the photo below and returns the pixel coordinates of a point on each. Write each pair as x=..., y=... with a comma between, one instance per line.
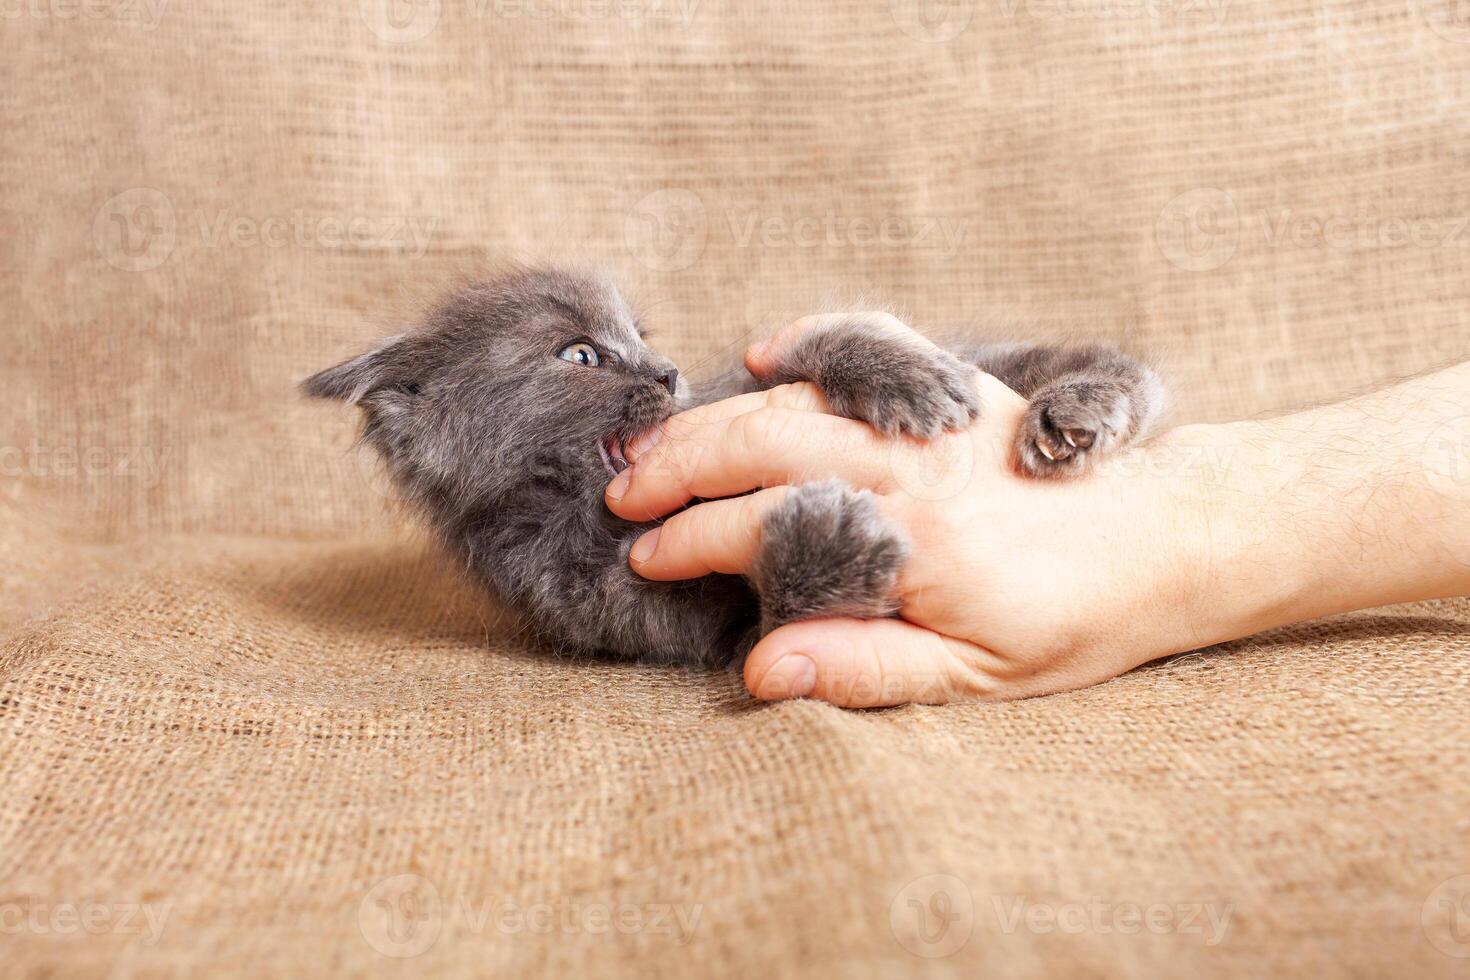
x=1358, y=504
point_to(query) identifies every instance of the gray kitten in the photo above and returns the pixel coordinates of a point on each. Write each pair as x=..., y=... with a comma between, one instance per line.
x=503, y=416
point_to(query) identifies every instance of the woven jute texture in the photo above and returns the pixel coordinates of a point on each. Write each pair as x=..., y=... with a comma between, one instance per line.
x=250, y=724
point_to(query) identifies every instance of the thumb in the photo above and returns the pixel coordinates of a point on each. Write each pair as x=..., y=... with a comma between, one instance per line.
x=867, y=663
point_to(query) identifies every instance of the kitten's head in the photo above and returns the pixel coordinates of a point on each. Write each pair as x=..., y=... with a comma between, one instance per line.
x=536, y=377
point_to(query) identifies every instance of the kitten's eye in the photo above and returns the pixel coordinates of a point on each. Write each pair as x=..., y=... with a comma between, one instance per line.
x=581, y=353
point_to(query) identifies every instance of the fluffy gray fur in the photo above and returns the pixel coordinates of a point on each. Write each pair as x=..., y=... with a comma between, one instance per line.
x=504, y=446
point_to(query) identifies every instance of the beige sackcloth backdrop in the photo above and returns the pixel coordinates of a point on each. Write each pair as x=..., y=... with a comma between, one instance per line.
x=249, y=717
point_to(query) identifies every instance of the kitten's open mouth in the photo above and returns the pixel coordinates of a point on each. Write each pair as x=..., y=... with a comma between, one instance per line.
x=611, y=448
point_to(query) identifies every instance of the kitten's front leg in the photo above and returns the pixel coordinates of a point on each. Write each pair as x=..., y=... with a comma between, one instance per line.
x=1086, y=402
x=874, y=369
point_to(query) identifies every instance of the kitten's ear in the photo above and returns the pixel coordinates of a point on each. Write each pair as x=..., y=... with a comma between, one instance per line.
x=352, y=380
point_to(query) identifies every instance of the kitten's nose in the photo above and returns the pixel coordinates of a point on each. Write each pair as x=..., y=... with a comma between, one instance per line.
x=669, y=379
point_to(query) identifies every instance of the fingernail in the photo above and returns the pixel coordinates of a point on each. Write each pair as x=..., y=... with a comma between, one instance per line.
x=643, y=443
x=619, y=485
x=793, y=676
x=645, y=546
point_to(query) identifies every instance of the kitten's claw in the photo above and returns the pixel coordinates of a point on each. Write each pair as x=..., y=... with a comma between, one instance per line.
x=1078, y=438
x=1069, y=424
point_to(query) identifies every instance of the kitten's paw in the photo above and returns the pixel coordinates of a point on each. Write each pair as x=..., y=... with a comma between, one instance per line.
x=1070, y=424
x=827, y=551
x=897, y=384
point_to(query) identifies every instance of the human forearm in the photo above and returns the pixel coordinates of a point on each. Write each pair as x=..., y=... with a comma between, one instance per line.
x=1354, y=505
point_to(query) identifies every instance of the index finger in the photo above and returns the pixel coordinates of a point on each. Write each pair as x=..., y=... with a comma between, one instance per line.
x=763, y=448
x=801, y=396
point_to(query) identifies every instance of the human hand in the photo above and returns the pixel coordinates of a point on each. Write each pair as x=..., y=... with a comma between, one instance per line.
x=1018, y=587
x=1009, y=578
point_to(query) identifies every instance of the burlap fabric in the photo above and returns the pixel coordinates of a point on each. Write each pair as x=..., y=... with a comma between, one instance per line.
x=251, y=725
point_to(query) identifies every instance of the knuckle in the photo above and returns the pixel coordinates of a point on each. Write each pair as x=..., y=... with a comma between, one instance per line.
x=678, y=533
x=760, y=431
x=746, y=433
x=668, y=464
x=682, y=458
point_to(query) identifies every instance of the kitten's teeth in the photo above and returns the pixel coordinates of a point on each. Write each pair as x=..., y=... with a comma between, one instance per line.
x=1067, y=435
x=618, y=464
x=1044, y=451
